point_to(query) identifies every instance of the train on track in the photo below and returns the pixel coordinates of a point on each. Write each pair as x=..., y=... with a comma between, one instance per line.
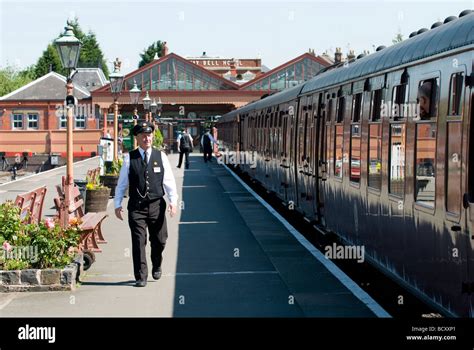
x=379, y=150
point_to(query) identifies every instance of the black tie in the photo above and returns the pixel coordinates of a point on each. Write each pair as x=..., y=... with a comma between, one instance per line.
x=145, y=156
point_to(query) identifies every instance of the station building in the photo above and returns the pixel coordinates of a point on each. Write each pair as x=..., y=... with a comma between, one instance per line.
x=194, y=92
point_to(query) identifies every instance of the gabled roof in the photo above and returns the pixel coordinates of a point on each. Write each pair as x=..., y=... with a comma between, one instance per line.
x=284, y=65
x=51, y=86
x=154, y=63
x=90, y=78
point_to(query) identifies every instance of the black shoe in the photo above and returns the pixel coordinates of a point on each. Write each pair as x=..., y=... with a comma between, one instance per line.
x=140, y=283
x=179, y=166
x=157, y=274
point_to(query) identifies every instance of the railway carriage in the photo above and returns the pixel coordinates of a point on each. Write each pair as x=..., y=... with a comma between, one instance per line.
x=380, y=152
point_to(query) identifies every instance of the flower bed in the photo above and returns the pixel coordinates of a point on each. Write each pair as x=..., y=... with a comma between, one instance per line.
x=36, y=255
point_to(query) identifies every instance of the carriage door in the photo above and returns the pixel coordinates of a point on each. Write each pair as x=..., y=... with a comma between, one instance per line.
x=468, y=198
x=321, y=155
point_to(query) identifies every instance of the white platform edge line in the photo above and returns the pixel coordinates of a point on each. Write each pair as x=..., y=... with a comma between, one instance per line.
x=44, y=172
x=362, y=295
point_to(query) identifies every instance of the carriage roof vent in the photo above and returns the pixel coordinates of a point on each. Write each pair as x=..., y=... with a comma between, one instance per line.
x=360, y=56
x=436, y=25
x=449, y=19
x=464, y=13
x=380, y=48
x=422, y=30
x=412, y=34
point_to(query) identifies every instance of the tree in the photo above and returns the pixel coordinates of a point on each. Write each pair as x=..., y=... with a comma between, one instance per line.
x=48, y=62
x=12, y=79
x=398, y=38
x=91, y=55
x=149, y=53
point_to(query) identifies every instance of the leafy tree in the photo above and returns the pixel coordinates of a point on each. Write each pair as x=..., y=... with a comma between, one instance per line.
x=12, y=79
x=149, y=53
x=398, y=39
x=49, y=61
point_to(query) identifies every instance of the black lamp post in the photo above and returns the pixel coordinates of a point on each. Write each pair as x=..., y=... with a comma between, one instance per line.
x=146, y=104
x=116, y=83
x=134, y=97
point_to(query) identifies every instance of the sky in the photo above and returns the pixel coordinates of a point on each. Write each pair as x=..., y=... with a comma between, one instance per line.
x=273, y=30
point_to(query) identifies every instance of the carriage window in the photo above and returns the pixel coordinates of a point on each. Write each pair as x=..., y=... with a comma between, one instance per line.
x=376, y=105
x=357, y=108
x=328, y=146
x=427, y=99
x=425, y=143
x=341, y=108
x=338, y=150
x=375, y=156
x=355, y=153
x=397, y=159
x=455, y=94
x=399, y=99
x=330, y=110
x=453, y=167
x=425, y=163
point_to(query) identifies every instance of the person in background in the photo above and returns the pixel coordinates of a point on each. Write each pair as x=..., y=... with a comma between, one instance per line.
x=185, y=145
x=207, y=144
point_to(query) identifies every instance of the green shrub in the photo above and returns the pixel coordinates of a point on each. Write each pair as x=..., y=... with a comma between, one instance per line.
x=47, y=245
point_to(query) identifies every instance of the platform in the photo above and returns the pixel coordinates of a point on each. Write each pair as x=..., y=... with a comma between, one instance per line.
x=227, y=255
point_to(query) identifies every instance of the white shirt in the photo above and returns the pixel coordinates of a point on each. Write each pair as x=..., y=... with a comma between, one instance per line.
x=169, y=182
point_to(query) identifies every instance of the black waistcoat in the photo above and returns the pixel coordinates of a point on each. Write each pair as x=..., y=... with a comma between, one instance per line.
x=145, y=182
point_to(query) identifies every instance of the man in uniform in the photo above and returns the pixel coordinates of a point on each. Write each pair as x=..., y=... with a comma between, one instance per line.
x=207, y=144
x=148, y=174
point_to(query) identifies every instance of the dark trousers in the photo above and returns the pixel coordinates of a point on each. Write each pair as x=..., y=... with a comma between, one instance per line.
x=186, y=154
x=207, y=154
x=151, y=215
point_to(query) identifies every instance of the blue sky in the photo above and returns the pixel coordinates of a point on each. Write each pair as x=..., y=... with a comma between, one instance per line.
x=275, y=31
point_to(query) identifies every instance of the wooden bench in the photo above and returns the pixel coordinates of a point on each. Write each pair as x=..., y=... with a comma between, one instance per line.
x=31, y=204
x=90, y=224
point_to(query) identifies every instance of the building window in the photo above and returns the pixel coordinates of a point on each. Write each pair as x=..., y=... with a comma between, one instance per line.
x=397, y=159
x=17, y=121
x=33, y=121
x=375, y=156
x=63, y=122
x=80, y=122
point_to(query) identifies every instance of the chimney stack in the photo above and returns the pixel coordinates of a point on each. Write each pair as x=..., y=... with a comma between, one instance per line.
x=338, y=55
x=351, y=55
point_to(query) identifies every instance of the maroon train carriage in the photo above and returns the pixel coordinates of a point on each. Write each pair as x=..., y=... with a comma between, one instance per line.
x=380, y=152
